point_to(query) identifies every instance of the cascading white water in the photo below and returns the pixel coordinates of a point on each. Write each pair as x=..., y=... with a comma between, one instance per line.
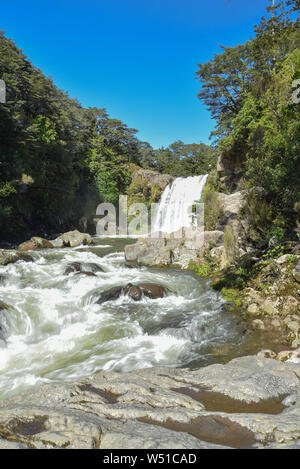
x=59, y=333
x=174, y=211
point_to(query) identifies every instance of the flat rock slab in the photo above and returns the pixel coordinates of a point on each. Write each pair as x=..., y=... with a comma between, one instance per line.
x=237, y=405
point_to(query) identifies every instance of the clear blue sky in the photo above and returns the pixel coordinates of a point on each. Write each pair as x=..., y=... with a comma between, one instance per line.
x=136, y=58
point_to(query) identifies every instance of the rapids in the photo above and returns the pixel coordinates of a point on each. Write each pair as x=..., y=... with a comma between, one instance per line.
x=58, y=333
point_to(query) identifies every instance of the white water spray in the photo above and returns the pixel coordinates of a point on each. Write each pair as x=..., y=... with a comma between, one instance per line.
x=174, y=211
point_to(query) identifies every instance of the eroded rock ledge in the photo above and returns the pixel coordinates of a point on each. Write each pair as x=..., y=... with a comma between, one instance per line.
x=249, y=402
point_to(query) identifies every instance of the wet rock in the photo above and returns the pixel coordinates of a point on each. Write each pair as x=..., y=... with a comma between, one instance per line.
x=88, y=274
x=109, y=295
x=73, y=267
x=12, y=256
x=93, y=267
x=82, y=267
x=35, y=243
x=135, y=292
x=3, y=279
x=152, y=290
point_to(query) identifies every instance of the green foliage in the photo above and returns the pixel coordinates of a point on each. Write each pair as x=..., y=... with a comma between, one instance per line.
x=180, y=159
x=230, y=245
x=248, y=89
x=201, y=269
x=213, y=209
x=232, y=295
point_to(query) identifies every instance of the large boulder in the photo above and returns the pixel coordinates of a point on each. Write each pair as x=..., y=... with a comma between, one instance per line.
x=177, y=248
x=73, y=239
x=152, y=290
x=35, y=243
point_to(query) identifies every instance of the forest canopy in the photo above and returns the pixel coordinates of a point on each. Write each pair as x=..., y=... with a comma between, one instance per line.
x=58, y=160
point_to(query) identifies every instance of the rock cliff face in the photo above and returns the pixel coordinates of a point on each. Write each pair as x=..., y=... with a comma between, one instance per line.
x=250, y=402
x=147, y=186
x=152, y=178
x=230, y=171
x=178, y=248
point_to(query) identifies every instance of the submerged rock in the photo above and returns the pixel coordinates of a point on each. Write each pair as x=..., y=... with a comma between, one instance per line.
x=135, y=292
x=109, y=295
x=152, y=290
x=89, y=274
x=73, y=267
x=8, y=256
x=86, y=267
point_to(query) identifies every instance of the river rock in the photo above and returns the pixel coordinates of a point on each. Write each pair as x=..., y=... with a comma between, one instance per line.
x=4, y=323
x=90, y=266
x=218, y=406
x=88, y=274
x=152, y=290
x=79, y=267
x=73, y=267
x=178, y=248
x=109, y=295
x=8, y=256
x=74, y=238
x=135, y=292
x=35, y=243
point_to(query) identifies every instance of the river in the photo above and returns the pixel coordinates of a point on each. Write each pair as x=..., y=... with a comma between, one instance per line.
x=58, y=333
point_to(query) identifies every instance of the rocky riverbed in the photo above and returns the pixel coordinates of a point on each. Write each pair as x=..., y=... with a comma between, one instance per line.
x=251, y=402
x=88, y=338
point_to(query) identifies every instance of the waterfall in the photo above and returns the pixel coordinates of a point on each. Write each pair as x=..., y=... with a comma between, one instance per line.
x=174, y=210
